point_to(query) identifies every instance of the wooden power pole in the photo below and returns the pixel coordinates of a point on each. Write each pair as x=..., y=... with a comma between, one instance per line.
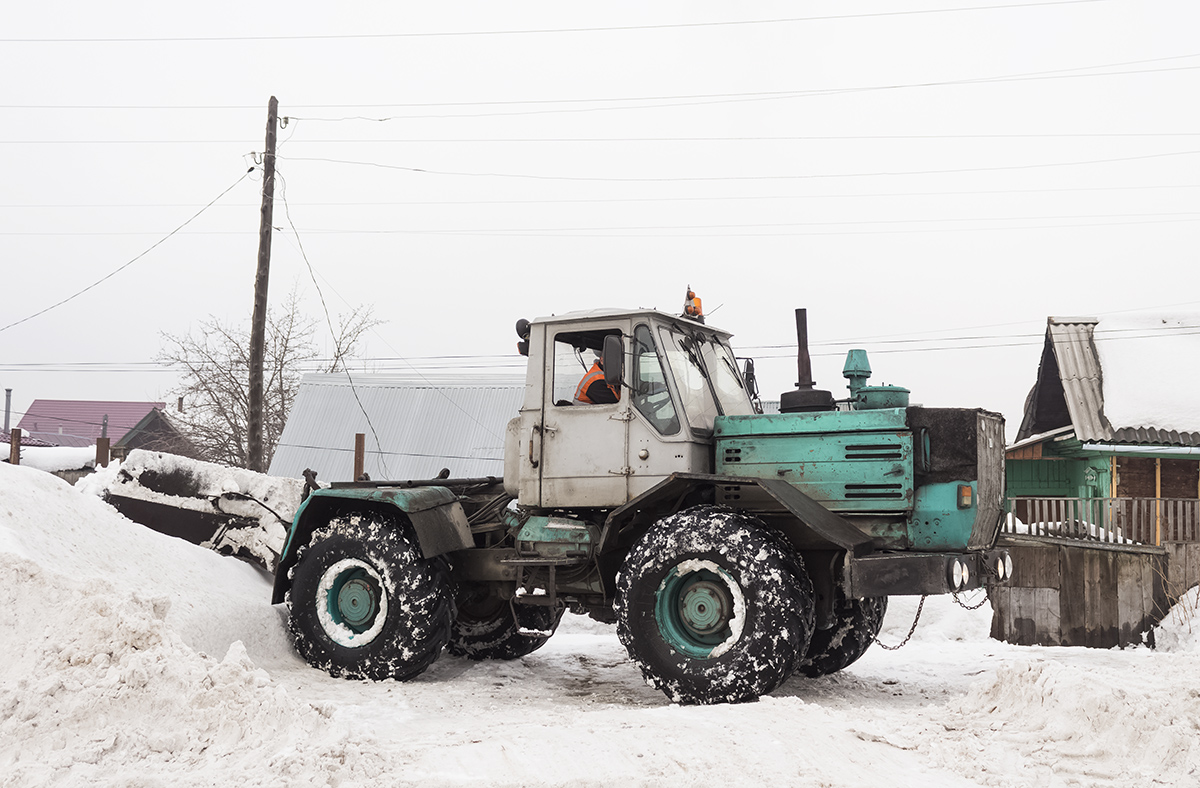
x=258, y=325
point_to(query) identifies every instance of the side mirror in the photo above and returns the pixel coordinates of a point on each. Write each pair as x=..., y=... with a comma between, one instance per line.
x=751, y=380
x=523, y=334
x=613, y=358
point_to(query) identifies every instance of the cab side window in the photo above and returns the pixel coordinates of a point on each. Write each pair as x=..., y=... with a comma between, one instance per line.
x=577, y=368
x=651, y=397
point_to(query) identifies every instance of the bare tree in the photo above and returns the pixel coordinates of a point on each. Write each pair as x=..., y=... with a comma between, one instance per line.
x=215, y=361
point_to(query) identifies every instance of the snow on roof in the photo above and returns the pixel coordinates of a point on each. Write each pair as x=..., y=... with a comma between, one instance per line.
x=1128, y=378
x=418, y=425
x=1151, y=373
x=65, y=422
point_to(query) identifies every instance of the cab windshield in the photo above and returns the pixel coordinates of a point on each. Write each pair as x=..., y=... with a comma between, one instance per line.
x=706, y=376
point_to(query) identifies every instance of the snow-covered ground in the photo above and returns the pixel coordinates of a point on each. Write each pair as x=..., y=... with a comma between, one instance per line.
x=129, y=658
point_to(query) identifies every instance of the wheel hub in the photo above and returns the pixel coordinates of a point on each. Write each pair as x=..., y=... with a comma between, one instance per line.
x=351, y=602
x=705, y=607
x=356, y=602
x=694, y=609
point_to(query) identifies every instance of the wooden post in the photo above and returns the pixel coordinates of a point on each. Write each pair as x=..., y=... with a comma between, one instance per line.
x=102, y=452
x=360, y=454
x=1158, y=500
x=14, y=447
x=258, y=323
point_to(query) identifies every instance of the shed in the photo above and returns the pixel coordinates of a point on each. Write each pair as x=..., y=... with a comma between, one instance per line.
x=415, y=425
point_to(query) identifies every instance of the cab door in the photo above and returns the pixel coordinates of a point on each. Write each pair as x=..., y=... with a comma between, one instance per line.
x=583, y=447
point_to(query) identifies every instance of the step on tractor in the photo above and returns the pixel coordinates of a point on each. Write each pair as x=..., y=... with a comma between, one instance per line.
x=732, y=548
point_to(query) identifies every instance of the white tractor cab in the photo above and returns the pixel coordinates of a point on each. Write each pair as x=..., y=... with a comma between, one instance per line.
x=674, y=377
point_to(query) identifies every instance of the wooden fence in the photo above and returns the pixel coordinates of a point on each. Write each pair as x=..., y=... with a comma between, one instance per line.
x=1153, y=521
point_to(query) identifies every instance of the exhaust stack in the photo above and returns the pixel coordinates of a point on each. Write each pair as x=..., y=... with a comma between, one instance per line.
x=805, y=398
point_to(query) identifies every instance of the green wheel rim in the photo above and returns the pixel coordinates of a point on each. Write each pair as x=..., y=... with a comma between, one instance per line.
x=694, y=610
x=353, y=600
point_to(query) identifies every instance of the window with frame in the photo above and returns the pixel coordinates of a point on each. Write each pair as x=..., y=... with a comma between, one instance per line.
x=651, y=395
x=575, y=352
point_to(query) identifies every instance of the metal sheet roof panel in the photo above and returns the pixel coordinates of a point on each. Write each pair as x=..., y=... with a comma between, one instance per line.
x=415, y=425
x=66, y=422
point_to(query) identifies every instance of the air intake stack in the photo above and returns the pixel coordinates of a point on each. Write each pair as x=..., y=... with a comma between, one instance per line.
x=805, y=398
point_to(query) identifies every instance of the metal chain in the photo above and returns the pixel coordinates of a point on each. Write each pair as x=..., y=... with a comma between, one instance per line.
x=976, y=606
x=911, y=629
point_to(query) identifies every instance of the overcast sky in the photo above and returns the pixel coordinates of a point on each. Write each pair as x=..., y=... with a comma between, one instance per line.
x=933, y=171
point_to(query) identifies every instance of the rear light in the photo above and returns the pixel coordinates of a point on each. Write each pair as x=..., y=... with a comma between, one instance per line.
x=965, y=496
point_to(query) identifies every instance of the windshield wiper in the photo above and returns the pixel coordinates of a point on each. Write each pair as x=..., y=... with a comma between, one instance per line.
x=688, y=344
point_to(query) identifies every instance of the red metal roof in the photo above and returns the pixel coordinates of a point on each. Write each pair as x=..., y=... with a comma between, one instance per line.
x=70, y=422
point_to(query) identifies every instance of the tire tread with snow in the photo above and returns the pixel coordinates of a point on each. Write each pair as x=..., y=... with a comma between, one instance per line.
x=494, y=628
x=403, y=607
x=698, y=560
x=858, y=622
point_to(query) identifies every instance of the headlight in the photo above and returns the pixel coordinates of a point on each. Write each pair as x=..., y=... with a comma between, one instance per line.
x=1008, y=567
x=956, y=573
x=966, y=575
x=1001, y=569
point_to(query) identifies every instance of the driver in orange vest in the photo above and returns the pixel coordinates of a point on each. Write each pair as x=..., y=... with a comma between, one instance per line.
x=592, y=390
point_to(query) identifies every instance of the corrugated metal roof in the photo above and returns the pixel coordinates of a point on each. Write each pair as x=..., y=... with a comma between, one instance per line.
x=424, y=423
x=1081, y=377
x=1079, y=371
x=66, y=422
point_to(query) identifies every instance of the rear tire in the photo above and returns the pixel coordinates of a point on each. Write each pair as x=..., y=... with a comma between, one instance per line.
x=858, y=622
x=709, y=608
x=365, y=604
x=488, y=627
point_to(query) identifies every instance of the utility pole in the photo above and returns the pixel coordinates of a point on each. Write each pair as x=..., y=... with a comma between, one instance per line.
x=258, y=324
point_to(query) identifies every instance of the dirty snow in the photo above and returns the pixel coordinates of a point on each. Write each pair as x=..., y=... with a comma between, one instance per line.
x=1148, y=380
x=133, y=659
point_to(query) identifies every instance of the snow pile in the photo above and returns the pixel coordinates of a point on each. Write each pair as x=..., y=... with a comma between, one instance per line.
x=103, y=675
x=1149, y=380
x=260, y=504
x=1180, y=628
x=58, y=458
x=1074, y=726
x=942, y=618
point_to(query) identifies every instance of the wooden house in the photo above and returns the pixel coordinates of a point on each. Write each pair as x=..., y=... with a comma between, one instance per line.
x=1103, y=483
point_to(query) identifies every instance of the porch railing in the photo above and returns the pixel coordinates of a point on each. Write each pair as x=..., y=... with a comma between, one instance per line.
x=1112, y=520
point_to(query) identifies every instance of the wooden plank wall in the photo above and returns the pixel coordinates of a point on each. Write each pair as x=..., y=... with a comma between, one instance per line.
x=1183, y=567
x=1076, y=594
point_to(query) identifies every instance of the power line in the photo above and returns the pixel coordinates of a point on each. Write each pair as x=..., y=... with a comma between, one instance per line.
x=596, y=200
x=691, y=230
x=592, y=140
x=312, y=273
x=131, y=262
x=1062, y=73
x=712, y=178
x=541, y=31
x=731, y=98
x=490, y=360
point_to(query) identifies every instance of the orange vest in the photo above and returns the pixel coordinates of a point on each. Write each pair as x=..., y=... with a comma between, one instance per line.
x=593, y=374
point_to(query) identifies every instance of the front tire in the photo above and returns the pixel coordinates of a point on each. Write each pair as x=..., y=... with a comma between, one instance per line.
x=365, y=604
x=709, y=608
